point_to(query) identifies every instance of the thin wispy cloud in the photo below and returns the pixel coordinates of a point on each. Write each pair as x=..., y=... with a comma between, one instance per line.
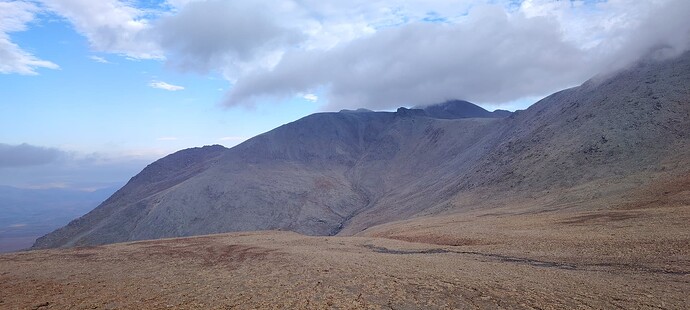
x=99, y=59
x=165, y=86
x=53, y=185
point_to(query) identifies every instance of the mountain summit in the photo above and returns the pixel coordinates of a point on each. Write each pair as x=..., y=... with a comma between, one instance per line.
x=455, y=109
x=341, y=173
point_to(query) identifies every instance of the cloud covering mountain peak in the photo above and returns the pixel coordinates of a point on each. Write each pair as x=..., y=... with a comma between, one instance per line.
x=374, y=54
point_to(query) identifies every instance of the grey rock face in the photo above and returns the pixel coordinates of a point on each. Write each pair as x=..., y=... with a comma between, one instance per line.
x=339, y=173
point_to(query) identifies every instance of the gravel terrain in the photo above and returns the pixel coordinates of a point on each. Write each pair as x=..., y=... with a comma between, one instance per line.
x=632, y=258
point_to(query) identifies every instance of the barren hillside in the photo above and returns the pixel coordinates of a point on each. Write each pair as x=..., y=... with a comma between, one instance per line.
x=589, y=260
x=585, y=148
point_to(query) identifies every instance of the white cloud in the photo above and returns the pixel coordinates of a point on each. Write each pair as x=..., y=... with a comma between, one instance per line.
x=110, y=26
x=14, y=17
x=165, y=86
x=99, y=59
x=311, y=97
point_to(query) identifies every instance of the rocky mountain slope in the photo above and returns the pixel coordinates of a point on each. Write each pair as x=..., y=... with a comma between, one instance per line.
x=340, y=173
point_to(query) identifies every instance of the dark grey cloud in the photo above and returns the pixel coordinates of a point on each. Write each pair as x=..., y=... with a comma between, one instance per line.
x=491, y=57
x=210, y=35
x=29, y=166
x=79, y=174
x=28, y=155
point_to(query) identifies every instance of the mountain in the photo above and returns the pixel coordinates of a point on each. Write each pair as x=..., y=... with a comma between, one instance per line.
x=461, y=109
x=583, y=148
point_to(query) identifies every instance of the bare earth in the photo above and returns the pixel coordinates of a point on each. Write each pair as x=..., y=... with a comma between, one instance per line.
x=619, y=258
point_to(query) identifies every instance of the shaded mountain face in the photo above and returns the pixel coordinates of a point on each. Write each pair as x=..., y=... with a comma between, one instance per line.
x=340, y=173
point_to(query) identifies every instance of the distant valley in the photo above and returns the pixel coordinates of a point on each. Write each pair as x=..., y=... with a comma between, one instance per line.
x=30, y=213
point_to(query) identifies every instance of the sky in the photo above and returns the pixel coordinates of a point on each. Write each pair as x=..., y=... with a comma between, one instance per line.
x=93, y=91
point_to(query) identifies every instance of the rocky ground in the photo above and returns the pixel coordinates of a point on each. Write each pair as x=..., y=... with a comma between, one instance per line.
x=618, y=258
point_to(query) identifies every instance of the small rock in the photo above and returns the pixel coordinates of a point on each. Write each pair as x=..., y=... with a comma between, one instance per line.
x=41, y=305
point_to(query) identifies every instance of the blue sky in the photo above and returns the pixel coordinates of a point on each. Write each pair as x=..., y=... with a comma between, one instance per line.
x=112, y=85
x=90, y=106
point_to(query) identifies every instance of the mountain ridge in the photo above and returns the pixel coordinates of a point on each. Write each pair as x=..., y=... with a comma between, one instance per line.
x=343, y=172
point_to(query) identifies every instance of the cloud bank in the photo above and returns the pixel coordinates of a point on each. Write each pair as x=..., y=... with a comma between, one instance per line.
x=429, y=62
x=376, y=54
x=28, y=155
x=491, y=56
x=30, y=166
